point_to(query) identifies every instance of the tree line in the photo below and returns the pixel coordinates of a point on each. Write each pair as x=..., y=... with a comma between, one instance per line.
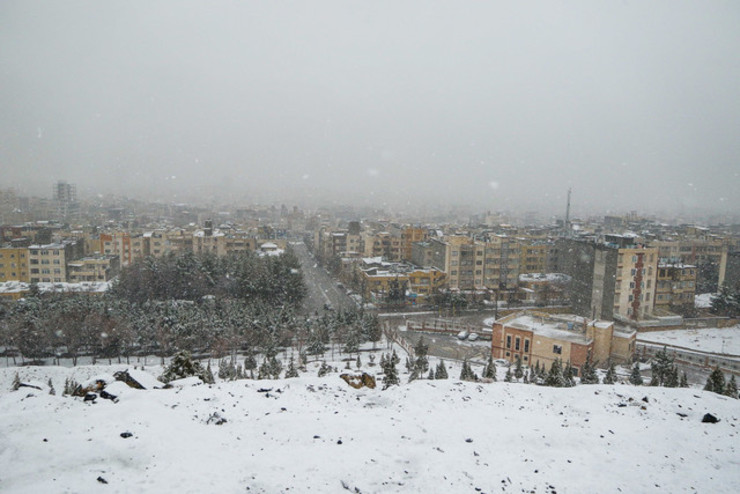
x=210, y=306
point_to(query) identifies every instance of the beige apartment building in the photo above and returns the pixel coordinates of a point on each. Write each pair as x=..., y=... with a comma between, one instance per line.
x=13, y=264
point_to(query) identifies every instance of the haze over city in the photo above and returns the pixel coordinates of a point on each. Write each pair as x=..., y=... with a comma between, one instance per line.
x=493, y=105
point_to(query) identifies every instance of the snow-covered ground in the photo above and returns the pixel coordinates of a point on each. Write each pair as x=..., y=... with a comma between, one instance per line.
x=703, y=300
x=714, y=340
x=313, y=434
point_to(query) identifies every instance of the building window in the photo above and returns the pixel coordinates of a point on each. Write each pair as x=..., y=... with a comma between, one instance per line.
x=557, y=349
x=517, y=343
x=526, y=346
x=508, y=341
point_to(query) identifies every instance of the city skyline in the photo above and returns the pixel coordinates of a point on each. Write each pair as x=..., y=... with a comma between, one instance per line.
x=485, y=106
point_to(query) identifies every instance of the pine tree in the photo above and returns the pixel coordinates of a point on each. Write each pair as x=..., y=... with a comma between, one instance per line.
x=395, y=359
x=430, y=376
x=414, y=375
x=70, y=385
x=636, y=376
x=684, y=380
x=588, y=372
x=292, y=371
x=569, y=375
x=358, y=362
x=731, y=387
x=441, y=371
x=508, y=377
x=466, y=373
x=324, y=369
x=276, y=367
x=249, y=362
x=408, y=365
x=16, y=383
x=421, y=350
x=52, y=391
x=611, y=374
x=390, y=374
x=661, y=367
x=715, y=382
x=264, y=370
x=518, y=371
x=555, y=377
x=490, y=370
x=526, y=377
x=671, y=378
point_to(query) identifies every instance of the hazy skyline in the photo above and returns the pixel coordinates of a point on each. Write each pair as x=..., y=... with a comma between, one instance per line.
x=495, y=105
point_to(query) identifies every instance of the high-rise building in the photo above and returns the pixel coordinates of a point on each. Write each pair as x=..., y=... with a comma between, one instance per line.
x=65, y=199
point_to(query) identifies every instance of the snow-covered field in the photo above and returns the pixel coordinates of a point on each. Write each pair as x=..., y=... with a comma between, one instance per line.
x=715, y=340
x=313, y=434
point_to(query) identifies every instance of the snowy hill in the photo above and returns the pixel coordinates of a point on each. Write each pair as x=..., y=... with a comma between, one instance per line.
x=313, y=434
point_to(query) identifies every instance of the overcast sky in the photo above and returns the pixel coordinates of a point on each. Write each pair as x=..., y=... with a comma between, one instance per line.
x=499, y=105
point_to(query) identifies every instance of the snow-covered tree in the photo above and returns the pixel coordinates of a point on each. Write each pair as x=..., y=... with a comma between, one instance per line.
x=441, y=370
x=466, y=373
x=569, y=375
x=390, y=374
x=292, y=371
x=421, y=363
x=555, y=377
x=509, y=377
x=490, y=371
x=635, y=375
x=731, y=387
x=518, y=370
x=16, y=383
x=661, y=367
x=684, y=380
x=611, y=374
x=324, y=369
x=588, y=372
x=715, y=382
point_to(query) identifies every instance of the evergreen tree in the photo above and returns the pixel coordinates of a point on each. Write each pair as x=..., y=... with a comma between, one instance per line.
x=395, y=359
x=358, y=362
x=250, y=363
x=569, y=375
x=430, y=376
x=16, y=383
x=518, y=371
x=635, y=376
x=555, y=377
x=466, y=373
x=715, y=382
x=661, y=367
x=276, y=367
x=70, y=385
x=588, y=372
x=671, y=378
x=324, y=369
x=292, y=371
x=731, y=387
x=421, y=350
x=684, y=380
x=490, y=370
x=441, y=371
x=264, y=371
x=414, y=375
x=390, y=374
x=611, y=374
x=508, y=377
x=183, y=365
x=408, y=365
x=526, y=377
x=52, y=391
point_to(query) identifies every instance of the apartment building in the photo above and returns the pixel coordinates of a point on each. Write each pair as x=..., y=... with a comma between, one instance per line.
x=675, y=287
x=48, y=262
x=93, y=268
x=13, y=264
x=611, y=278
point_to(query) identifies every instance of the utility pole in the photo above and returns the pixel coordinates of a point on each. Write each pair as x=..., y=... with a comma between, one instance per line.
x=567, y=216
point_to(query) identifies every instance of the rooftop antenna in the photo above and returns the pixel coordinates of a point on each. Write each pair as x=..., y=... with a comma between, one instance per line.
x=567, y=216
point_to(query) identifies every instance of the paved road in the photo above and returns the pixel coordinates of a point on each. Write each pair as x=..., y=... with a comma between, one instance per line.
x=322, y=289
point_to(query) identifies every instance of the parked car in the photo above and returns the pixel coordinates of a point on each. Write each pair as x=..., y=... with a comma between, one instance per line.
x=462, y=335
x=473, y=337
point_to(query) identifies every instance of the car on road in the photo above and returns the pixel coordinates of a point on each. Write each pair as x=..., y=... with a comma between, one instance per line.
x=473, y=337
x=462, y=335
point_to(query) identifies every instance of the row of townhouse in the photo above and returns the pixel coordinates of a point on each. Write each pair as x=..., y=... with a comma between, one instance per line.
x=378, y=278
